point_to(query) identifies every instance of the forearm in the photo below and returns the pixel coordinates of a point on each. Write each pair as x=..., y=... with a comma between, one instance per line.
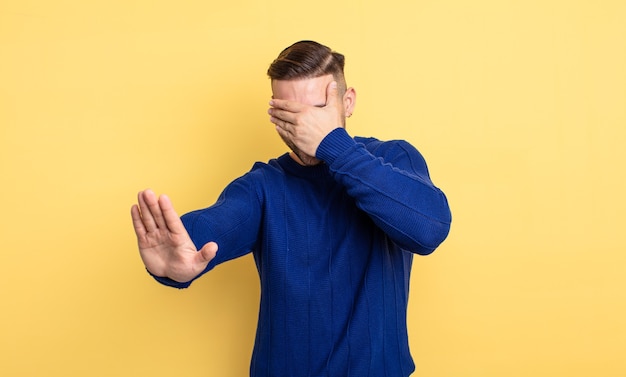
x=394, y=189
x=232, y=223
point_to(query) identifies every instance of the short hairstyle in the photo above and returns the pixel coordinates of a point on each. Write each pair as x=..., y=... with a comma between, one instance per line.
x=307, y=59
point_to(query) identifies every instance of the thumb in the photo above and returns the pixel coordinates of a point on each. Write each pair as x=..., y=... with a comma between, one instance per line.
x=331, y=93
x=207, y=253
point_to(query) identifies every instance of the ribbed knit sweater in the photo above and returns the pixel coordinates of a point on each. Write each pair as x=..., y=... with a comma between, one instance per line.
x=333, y=244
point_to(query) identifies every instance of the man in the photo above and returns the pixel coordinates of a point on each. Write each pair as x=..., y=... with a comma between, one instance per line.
x=333, y=226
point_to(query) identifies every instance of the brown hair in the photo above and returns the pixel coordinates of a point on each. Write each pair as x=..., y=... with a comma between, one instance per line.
x=307, y=59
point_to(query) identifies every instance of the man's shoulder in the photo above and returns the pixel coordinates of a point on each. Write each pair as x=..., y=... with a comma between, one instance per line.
x=381, y=147
x=274, y=166
x=366, y=140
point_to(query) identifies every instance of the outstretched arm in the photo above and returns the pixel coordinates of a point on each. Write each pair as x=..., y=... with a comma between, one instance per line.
x=164, y=244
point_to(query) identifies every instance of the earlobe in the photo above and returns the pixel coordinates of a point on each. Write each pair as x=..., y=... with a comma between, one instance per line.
x=349, y=101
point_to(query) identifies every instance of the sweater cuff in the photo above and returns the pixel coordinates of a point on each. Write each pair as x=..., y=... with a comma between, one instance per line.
x=169, y=282
x=333, y=145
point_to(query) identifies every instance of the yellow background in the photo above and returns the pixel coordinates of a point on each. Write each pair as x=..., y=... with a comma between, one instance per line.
x=518, y=106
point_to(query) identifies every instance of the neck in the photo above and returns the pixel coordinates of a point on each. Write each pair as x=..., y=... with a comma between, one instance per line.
x=303, y=159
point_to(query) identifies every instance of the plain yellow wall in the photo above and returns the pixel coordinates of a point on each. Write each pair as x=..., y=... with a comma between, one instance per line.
x=518, y=106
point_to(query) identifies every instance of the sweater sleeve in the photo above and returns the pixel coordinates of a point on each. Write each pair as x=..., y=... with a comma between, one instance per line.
x=232, y=222
x=392, y=186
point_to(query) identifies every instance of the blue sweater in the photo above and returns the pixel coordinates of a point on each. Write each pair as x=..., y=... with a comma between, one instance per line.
x=333, y=245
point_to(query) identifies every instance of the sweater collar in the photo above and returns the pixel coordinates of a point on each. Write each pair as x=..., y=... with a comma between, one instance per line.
x=294, y=168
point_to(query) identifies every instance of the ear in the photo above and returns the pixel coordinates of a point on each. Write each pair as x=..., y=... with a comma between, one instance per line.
x=349, y=101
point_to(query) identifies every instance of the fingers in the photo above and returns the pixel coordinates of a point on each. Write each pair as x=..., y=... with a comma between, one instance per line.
x=283, y=117
x=145, y=214
x=150, y=211
x=284, y=113
x=171, y=218
x=282, y=127
x=284, y=134
x=288, y=106
x=288, y=111
x=140, y=228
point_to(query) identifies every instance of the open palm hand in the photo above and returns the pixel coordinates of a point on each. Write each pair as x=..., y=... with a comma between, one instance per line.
x=164, y=244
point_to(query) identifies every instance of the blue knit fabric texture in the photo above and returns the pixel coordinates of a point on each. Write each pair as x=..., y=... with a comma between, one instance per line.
x=333, y=244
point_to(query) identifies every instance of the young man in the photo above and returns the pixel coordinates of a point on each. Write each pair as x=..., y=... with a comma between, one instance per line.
x=333, y=227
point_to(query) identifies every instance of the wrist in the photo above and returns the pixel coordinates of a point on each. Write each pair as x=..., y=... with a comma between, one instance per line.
x=334, y=144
